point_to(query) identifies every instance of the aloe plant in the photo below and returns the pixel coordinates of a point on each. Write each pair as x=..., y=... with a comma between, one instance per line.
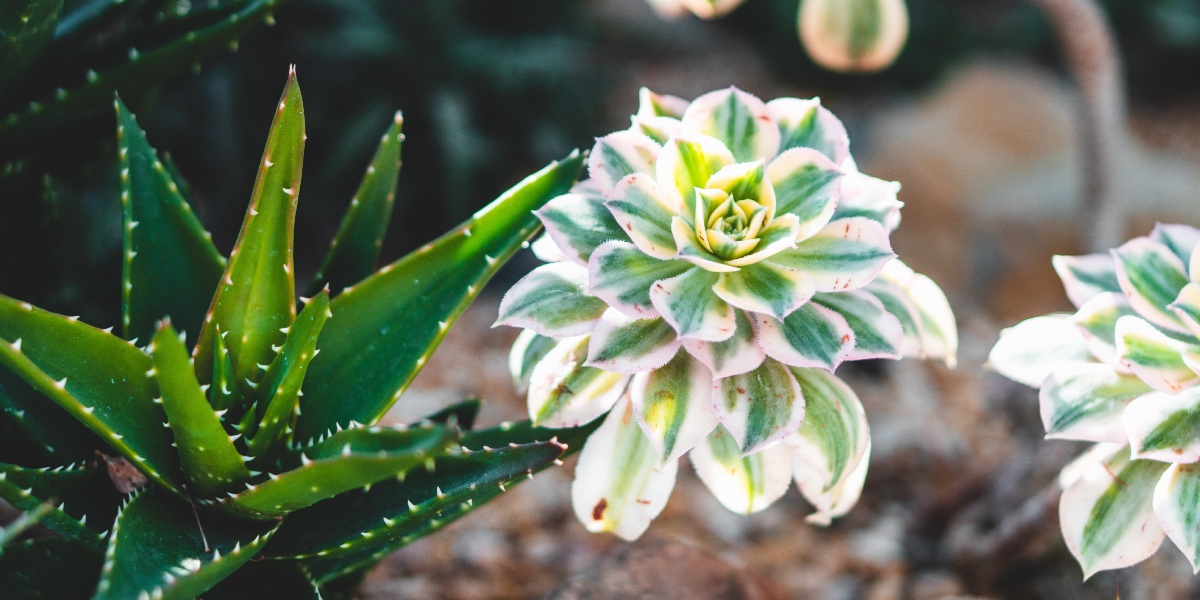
x=228, y=422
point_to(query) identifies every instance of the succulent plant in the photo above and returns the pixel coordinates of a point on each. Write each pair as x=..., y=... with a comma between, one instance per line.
x=1122, y=372
x=723, y=258
x=853, y=35
x=226, y=423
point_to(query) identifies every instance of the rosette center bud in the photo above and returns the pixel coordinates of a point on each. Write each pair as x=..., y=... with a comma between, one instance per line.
x=733, y=211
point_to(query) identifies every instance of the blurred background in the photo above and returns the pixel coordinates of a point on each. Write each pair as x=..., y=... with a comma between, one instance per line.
x=978, y=119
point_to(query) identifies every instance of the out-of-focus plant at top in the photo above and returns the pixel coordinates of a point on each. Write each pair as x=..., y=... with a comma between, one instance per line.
x=226, y=422
x=1122, y=372
x=724, y=256
x=853, y=35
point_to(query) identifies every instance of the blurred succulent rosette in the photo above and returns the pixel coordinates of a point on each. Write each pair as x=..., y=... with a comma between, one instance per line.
x=723, y=257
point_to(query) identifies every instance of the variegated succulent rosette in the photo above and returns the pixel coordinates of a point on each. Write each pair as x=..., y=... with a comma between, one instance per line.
x=1122, y=372
x=722, y=259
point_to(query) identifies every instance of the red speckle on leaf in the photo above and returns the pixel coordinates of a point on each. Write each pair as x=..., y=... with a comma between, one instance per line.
x=846, y=339
x=598, y=511
x=641, y=501
x=741, y=390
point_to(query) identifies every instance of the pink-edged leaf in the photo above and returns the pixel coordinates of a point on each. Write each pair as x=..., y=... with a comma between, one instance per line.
x=844, y=255
x=808, y=185
x=1163, y=427
x=765, y=288
x=1097, y=319
x=1176, y=502
x=739, y=120
x=688, y=303
x=621, y=275
x=745, y=484
x=1152, y=276
x=626, y=345
x=734, y=356
x=1031, y=350
x=812, y=336
x=686, y=163
x=619, y=154
x=760, y=407
x=1154, y=356
x=866, y=196
x=563, y=392
x=807, y=124
x=579, y=223
x=877, y=332
x=644, y=215
x=672, y=405
x=1086, y=401
x=832, y=447
x=1085, y=277
x=552, y=300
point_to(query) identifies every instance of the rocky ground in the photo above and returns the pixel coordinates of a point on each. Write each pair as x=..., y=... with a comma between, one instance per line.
x=959, y=502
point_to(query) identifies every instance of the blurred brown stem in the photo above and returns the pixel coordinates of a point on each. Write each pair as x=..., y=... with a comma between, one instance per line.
x=1090, y=50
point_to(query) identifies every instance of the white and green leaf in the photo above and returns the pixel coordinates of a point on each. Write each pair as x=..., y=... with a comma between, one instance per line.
x=739, y=120
x=686, y=163
x=527, y=351
x=626, y=345
x=1187, y=306
x=673, y=405
x=1085, y=401
x=1180, y=240
x=1153, y=355
x=579, y=223
x=688, y=303
x=1031, y=350
x=877, y=332
x=765, y=288
x=744, y=484
x=832, y=446
x=866, y=196
x=652, y=104
x=1164, y=427
x=618, y=155
x=1097, y=319
x=929, y=327
x=778, y=236
x=1152, y=276
x=564, y=392
x=807, y=124
x=644, y=215
x=619, y=484
x=844, y=255
x=621, y=275
x=807, y=184
x=1107, y=512
x=760, y=407
x=812, y=336
x=1177, y=505
x=553, y=301
x=734, y=356
x=691, y=249
x=1085, y=277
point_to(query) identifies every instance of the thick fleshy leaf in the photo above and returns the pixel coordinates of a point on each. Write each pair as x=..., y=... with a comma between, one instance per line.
x=832, y=446
x=1176, y=502
x=257, y=294
x=1085, y=401
x=688, y=303
x=354, y=251
x=77, y=502
x=627, y=345
x=765, y=288
x=807, y=124
x=745, y=181
x=760, y=407
x=1163, y=426
x=744, y=484
x=1031, y=350
x=1187, y=307
x=98, y=378
x=618, y=155
x=1097, y=319
x=1154, y=356
x=738, y=120
x=686, y=163
x=158, y=550
x=563, y=392
x=619, y=485
x=546, y=250
x=209, y=459
x=346, y=460
x=50, y=429
x=778, y=236
x=812, y=336
x=1106, y=513
x=843, y=255
x=644, y=215
x=808, y=185
x=673, y=405
x=734, y=356
x=170, y=266
x=279, y=391
x=527, y=351
x=929, y=327
x=692, y=249
x=1179, y=239
x=866, y=196
x=366, y=361
x=621, y=275
x=877, y=332
x=651, y=104
x=553, y=301
x=1152, y=277
x=579, y=223
x=1087, y=276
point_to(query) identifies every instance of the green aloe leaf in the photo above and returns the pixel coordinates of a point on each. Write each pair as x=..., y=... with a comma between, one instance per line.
x=355, y=249
x=171, y=266
x=268, y=579
x=280, y=387
x=100, y=379
x=158, y=550
x=393, y=510
x=61, y=110
x=222, y=393
x=21, y=524
x=346, y=460
x=82, y=500
x=366, y=361
x=48, y=569
x=460, y=414
x=256, y=296
x=26, y=26
x=51, y=429
x=209, y=459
